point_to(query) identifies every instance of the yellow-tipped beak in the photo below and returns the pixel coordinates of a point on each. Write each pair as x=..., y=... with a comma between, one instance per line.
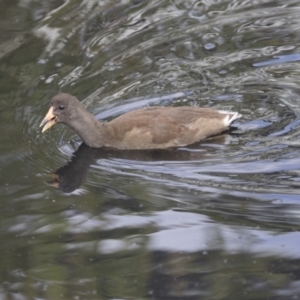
x=49, y=120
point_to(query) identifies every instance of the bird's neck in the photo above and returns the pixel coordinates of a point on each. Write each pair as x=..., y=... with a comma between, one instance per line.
x=90, y=130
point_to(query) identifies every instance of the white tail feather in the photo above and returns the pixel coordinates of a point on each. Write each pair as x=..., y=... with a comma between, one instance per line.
x=230, y=117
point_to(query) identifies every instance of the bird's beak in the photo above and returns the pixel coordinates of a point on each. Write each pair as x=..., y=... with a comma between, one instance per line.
x=49, y=120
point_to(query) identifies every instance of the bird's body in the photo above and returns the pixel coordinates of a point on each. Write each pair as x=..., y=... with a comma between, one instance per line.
x=147, y=128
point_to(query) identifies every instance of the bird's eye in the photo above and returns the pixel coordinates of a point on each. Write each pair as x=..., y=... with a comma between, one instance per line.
x=61, y=107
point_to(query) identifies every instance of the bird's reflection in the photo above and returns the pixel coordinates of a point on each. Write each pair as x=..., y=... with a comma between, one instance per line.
x=70, y=177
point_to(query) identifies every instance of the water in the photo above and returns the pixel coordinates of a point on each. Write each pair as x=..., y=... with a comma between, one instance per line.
x=216, y=220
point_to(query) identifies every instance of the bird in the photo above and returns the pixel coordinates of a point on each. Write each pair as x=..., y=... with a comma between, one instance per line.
x=154, y=127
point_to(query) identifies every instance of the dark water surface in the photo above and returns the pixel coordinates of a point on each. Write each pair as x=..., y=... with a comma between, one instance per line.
x=217, y=220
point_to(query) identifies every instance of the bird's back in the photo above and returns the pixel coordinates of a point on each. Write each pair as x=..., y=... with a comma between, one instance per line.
x=164, y=127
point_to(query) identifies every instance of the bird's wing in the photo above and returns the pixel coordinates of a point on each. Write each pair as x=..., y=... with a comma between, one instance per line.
x=164, y=127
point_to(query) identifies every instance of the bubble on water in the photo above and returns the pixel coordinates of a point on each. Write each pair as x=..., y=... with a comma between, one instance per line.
x=223, y=72
x=42, y=61
x=210, y=46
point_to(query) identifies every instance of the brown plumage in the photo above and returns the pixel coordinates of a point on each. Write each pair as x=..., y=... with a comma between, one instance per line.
x=153, y=127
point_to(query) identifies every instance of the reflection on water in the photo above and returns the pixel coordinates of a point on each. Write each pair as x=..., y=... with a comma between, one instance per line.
x=70, y=176
x=216, y=220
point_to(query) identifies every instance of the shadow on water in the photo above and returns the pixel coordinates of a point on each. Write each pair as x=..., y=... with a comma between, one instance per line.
x=70, y=177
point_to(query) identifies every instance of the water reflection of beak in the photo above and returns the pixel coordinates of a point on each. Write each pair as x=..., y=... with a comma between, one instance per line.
x=54, y=182
x=49, y=120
